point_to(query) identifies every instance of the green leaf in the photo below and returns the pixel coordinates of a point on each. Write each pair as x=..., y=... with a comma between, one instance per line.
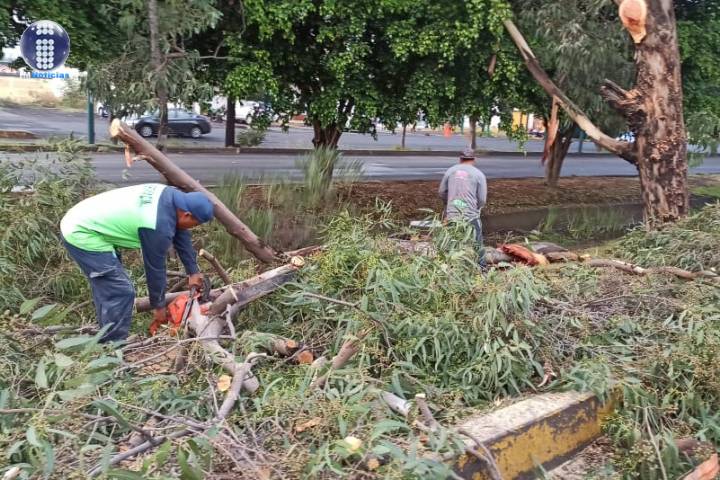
x=43, y=312
x=73, y=342
x=28, y=305
x=40, y=376
x=387, y=426
x=110, y=409
x=62, y=360
x=82, y=391
x=187, y=470
x=32, y=438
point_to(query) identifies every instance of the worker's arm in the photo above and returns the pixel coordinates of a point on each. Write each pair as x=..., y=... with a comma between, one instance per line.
x=481, y=191
x=155, y=246
x=184, y=248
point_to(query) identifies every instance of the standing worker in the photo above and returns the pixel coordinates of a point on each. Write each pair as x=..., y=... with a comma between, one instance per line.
x=464, y=191
x=152, y=217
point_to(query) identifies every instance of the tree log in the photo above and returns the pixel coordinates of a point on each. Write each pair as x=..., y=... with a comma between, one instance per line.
x=245, y=291
x=180, y=179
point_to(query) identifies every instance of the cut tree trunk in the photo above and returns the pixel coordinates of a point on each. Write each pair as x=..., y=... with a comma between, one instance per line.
x=653, y=109
x=327, y=137
x=230, y=122
x=177, y=177
x=556, y=156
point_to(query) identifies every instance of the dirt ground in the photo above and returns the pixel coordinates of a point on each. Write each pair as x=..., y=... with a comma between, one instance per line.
x=505, y=195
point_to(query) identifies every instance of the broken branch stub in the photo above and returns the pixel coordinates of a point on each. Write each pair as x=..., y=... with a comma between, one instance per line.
x=177, y=177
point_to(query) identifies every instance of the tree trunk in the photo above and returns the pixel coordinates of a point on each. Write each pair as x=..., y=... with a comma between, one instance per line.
x=177, y=177
x=556, y=156
x=473, y=133
x=654, y=111
x=327, y=137
x=404, y=131
x=157, y=65
x=230, y=122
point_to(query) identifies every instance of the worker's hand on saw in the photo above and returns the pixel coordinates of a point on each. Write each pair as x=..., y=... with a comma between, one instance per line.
x=159, y=318
x=196, y=280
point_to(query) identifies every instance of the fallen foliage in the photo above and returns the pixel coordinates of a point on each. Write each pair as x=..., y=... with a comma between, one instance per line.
x=401, y=345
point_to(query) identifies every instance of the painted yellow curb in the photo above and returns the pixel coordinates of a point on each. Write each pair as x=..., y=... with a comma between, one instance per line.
x=545, y=430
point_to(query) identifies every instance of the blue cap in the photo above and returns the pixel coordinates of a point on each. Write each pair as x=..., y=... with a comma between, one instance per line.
x=197, y=203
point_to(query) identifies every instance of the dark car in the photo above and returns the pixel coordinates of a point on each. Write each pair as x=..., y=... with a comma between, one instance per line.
x=181, y=122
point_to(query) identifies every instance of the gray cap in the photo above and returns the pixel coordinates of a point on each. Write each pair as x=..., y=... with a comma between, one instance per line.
x=467, y=154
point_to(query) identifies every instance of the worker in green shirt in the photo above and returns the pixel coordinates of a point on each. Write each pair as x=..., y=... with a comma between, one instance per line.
x=152, y=217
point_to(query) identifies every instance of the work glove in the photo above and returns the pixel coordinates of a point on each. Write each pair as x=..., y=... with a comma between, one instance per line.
x=196, y=280
x=159, y=318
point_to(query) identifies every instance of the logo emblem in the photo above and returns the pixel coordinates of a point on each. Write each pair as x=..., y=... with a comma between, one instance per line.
x=45, y=46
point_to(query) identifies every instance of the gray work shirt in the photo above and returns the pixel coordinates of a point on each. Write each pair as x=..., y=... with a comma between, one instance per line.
x=464, y=190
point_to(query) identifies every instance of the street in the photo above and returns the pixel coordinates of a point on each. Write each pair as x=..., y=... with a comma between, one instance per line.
x=210, y=168
x=46, y=122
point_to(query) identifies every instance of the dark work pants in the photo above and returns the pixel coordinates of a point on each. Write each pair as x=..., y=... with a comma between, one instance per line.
x=112, y=290
x=479, y=246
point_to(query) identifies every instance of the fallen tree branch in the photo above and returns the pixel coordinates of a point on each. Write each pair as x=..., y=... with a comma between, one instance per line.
x=177, y=177
x=216, y=265
x=637, y=270
x=347, y=351
x=230, y=398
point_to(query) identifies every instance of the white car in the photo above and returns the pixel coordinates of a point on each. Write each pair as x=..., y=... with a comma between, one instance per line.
x=245, y=110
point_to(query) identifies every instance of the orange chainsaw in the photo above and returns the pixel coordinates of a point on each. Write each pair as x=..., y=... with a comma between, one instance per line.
x=178, y=310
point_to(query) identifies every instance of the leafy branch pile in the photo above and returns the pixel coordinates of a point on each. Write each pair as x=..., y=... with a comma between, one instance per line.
x=412, y=324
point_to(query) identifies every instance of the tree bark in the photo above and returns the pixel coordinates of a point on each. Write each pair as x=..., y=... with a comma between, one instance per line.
x=157, y=65
x=654, y=112
x=473, y=132
x=185, y=182
x=327, y=137
x=404, y=131
x=230, y=122
x=556, y=156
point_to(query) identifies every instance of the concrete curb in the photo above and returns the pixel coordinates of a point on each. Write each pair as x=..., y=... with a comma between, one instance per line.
x=546, y=429
x=290, y=151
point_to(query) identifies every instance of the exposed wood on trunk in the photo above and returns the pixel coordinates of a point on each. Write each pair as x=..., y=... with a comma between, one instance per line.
x=216, y=265
x=180, y=179
x=553, y=123
x=621, y=149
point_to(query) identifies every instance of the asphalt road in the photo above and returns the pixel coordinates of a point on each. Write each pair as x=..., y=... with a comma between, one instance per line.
x=210, y=169
x=47, y=122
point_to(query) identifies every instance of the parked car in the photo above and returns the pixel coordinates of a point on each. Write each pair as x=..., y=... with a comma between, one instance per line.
x=246, y=110
x=181, y=123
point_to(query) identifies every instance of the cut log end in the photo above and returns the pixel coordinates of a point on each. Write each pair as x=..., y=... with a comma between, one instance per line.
x=116, y=127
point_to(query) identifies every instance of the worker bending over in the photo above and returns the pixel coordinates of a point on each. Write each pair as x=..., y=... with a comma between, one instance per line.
x=463, y=189
x=152, y=217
